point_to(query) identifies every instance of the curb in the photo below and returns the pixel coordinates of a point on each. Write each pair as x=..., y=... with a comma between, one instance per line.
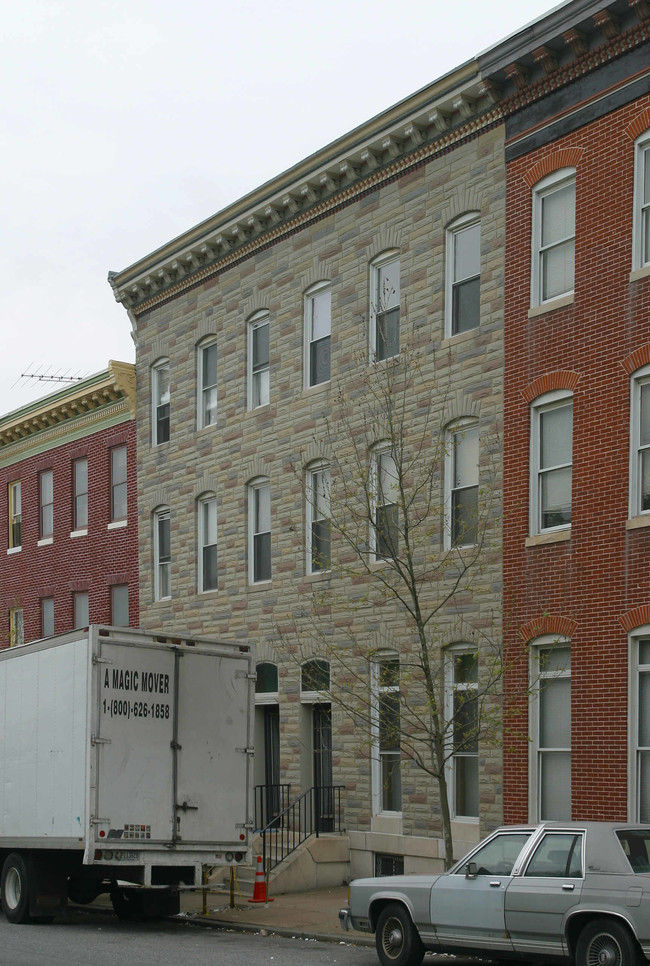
x=284, y=931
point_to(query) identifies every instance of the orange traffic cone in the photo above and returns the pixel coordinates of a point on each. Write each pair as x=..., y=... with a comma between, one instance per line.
x=259, y=889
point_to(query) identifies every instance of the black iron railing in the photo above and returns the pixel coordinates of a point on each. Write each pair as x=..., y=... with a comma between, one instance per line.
x=270, y=802
x=316, y=810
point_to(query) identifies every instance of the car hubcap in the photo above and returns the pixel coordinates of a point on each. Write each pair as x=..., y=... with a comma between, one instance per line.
x=12, y=889
x=393, y=939
x=604, y=951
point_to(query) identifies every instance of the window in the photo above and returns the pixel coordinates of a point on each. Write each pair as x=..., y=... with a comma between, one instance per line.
x=80, y=606
x=14, y=500
x=318, y=523
x=314, y=678
x=80, y=494
x=385, y=525
x=551, y=462
x=259, y=522
x=120, y=605
x=386, y=777
x=46, y=495
x=641, y=242
x=16, y=627
x=462, y=713
x=318, y=328
x=160, y=402
x=554, y=227
x=207, y=401
x=461, y=480
x=267, y=681
x=119, y=501
x=558, y=855
x=258, y=361
x=162, y=554
x=207, y=510
x=551, y=731
x=641, y=729
x=384, y=307
x=497, y=856
x=463, y=277
x=47, y=616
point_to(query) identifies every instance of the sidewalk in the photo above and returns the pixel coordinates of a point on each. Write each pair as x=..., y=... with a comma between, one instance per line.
x=306, y=915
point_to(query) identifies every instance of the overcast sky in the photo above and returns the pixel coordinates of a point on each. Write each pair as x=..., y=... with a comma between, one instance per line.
x=122, y=124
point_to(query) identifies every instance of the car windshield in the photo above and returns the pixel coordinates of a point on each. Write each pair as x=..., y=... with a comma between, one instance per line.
x=497, y=856
x=636, y=845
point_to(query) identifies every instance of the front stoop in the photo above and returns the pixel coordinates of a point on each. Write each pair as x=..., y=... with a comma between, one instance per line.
x=318, y=863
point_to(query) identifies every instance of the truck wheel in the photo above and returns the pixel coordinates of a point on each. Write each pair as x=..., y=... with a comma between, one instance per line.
x=605, y=942
x=127, y=904
x=396, y=938
x=15, y=889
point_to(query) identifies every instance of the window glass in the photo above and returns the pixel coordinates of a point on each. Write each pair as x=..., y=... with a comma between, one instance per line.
x=386, y=308
x=16, y=627
x=315, y=675
x=498, y=856
x=319, y=528
x=119, y=489
x=120, y=605
x=466, y=281
x=267, y=678
x=386, y=524
x=463, y=709
x=554, y=212
x=80, y=475
x=81, y=609
x=558, y=855
x=554, y=733
x=161, y=403
x=636, y=845
x=162, y=555
x=47, y=616
x=388, y=794
x=552, y=459
x=319, y=323
x=208, y=384
x=15, y=515
x=260, y=375
x=208, y=541
x=464, y=486
x=261, y=533
x=643, y=732
x=46, y=486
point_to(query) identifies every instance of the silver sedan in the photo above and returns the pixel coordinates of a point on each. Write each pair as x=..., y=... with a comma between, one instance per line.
x=576, y=892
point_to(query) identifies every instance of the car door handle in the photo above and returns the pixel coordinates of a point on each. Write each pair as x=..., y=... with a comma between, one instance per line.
x=568, y=886
x=495, y=882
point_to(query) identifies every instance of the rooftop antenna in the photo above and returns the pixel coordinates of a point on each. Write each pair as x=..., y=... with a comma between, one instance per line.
x=40, y=373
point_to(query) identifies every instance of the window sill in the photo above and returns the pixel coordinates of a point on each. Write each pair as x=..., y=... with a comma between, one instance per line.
x=45, y=542
x=459, y=337
x=11, y=550
x=638, y=273
x=559, y=303
x=318, y=575
x=79, y=533
x=637, y=523
x=117, y=524
x=541, y=539
x=260, y=585
x=319, y=387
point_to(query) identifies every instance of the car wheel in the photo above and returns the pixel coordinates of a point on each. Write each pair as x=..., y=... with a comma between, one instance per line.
x=605, y=942
x=15, y=889
x=396, y=938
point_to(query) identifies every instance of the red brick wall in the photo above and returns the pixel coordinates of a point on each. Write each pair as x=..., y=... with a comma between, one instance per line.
x=602, y=572
x=89, y=563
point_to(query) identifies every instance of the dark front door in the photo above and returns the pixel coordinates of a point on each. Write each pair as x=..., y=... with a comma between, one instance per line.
x=323, y=767
x=271, y=763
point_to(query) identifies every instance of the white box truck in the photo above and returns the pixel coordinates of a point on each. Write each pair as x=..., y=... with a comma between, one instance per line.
x=125, y=767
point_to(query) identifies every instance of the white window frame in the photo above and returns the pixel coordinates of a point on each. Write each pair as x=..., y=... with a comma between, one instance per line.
x=380, y=298
x=119, y=483
x=207, y=504
x=206, y=402
x=16, y=626
x=641, y=211
x=254, y=535
x=452, y=686
x=460, y=428
x=118, y=590
x=548, y=186
x=45, y=506
x=259, y=378
x=267, y=697
x=311, y=696
x=80, y=505
x=160, y=398
x=317, y=492
x=162, y=566
x=377, y=769
x=461, y=225
x=316, y=292
x=80, y=609
x=537, y=751
x=556, y=399
x=638, y=754
x=15, y=515
x=639, y=379
x=47, y=616
x=379, y=453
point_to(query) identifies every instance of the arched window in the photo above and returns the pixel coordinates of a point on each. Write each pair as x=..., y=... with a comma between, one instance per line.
x=463, y=274
x=207, y=539
x=641, y=217
x=314, y=679
x=319, y=535
x=461, y=484
x=258, y=360
x=384, y=306
x=160, y=402
x=553, y=239
x=206, y=364
x=161, y=553
x=551, y=459
x=318, y=333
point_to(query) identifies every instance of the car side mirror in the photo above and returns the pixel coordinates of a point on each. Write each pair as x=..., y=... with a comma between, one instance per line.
x=470, y=870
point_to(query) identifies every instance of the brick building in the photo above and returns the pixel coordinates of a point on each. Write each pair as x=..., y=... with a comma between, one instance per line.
x=258, y=334
x=576, y=537
x=68, y=485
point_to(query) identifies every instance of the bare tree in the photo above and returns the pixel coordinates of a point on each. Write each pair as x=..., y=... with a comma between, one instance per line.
x=405, y=555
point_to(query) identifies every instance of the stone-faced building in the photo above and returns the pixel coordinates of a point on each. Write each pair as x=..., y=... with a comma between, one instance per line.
x=264, y=337
x=576, y=522
x=68, y=509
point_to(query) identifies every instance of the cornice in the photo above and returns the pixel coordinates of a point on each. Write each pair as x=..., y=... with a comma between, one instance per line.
x=100, y=396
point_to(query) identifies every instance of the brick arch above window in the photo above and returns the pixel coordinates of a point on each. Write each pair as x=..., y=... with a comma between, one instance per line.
x=637, y=617
x=552, y=624
x=158, y=350
x=562, y=379
x=386, y=239
x=205, y=328
x=639, y=125
x=160, y=496
x=316, y=452
x=206, y=483
x=637, y=359
x=318, y=274
x=459, y=407
x=464, y=200
x=565, y=158
x=254, y=304
x=255, y=469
